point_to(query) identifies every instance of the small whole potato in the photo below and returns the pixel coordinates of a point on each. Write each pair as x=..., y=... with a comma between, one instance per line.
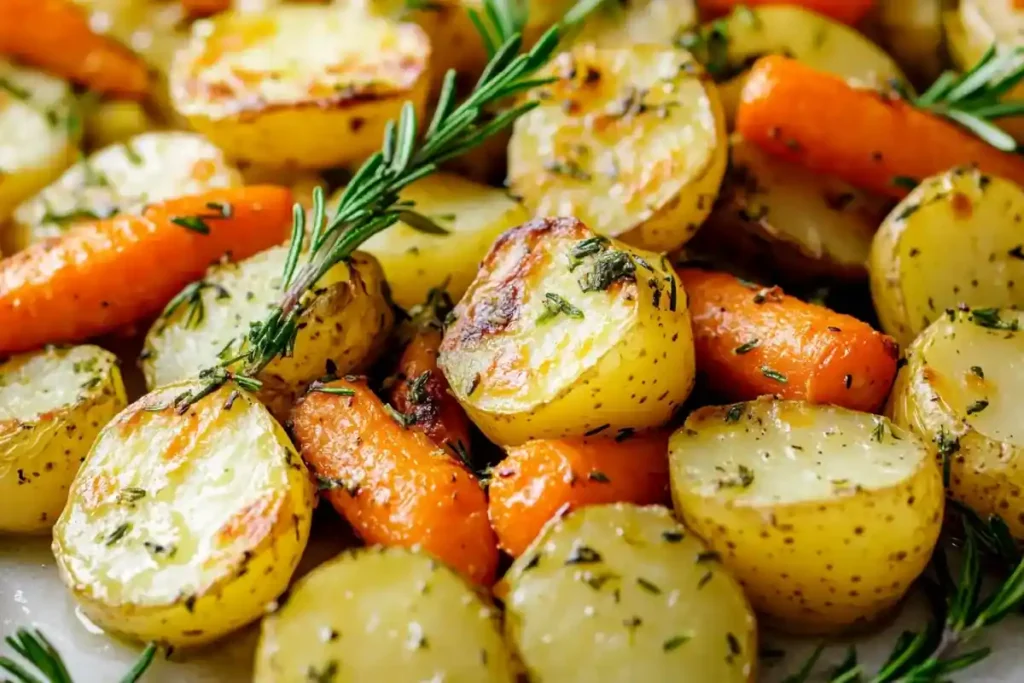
x=960, y=392
x=825, y=515
x=565, y=331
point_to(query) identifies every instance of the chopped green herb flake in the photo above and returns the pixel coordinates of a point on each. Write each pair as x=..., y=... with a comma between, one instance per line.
x=774, y=374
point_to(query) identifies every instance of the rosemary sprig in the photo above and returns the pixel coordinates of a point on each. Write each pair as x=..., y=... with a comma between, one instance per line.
x=971, y=99
x=34, y=648
x=371, y=202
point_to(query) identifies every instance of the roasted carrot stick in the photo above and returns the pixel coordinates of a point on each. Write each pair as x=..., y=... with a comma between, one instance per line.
x=540, y=479
x=393, y=484
x=102, y=275
x=422, y=393
x=752, y=341
x=817, y=120
x=54, y=35
x=846, y=11
x=204, y=8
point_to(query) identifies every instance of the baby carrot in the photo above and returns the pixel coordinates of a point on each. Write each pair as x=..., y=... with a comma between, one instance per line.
x=864, y=137
x=422, y=394
x=392, y=483
x=752, y=341
x=102, y=275
x=540, y=479
x=846, y=11
x=54, y=35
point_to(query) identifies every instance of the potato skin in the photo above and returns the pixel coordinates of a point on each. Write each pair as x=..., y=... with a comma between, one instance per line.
x=622, y=360
x=347, y=316
x=53, y=403
x=631, y=141
x=319, y=83
x=958, y=391
x=951, y=241
x=392, y=614
x=180, y=528
x=46, y=145
x=625, y=593
x=415, y=262
x=638, y=21
x=826, y=516
x=813, y=227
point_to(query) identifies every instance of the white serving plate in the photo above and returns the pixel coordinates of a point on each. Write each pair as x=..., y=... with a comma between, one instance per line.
x=31, y=594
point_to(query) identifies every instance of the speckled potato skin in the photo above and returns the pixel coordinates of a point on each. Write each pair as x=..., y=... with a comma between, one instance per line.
x=383, y=614
x=620, y=592
x=949, y=242
x=347, y=317
x=958, y=391
x=630, y=140
x=40, y=452
x=627, y=363
x=320, y=82
x=181, y=528
x=823, y=565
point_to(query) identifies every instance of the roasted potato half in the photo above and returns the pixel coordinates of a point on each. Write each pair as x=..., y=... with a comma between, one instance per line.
x=564, y=331
x=622, y=24
x=182, y=526
x=111, y=121
x=347, y=316
x=304, y=86
x=972, y=27
x=825, y=515
x=749, y=33
x=123, y=178
x=813, y=226
x=393, y=615
x=471, y=215
x=629, y=140
x=53, y=403
x=956, y=239
x=960, y=391
x=625, y=593
x=39, y=132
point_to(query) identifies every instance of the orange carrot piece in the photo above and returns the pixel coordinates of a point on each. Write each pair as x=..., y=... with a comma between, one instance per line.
x=102, y=275
x=422, y=393
x=204, y=8
x=846, y=11
x=55, y=36
x=393, y=484
x=544, y=478
x=817, y=120
x=752, y=341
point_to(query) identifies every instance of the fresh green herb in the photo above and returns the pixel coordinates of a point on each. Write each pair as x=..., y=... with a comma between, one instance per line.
x=582, y=554
x=609, y=267
x=371, y=200
x=131, y=495
x=648, y=586
x=584, y=248
x=773, y=374
x=334, y=391
x=193, y=223
x=674, y=642
x=905, y=182
x=742, y=478
x=459, y=449
x=734, y=413
x=878, y=433
x=598, y=476
x=972, y=99
x=34, y=648
x=117, y=534
x=709, y=44
x=75, y=215
x=417, y=392
x=977, y=407
x=746, y=347
x=570, y=168
x=330, y=484
x=131, y=154
x=505, y=19
x=15, y=90
x=403, y=419
x=555, y=305
x=976, y=369
x=421, y=223
x=192, y=298
x=989, y=317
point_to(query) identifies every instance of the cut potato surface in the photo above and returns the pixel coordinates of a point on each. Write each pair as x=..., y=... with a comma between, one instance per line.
x=625, y=593
x=812, y=225
x=472, y=215
x=301, y=85
x=631, y=141
x=181, y=527
x=39, y=132
x=563, y=332
x=629, y=22
x=818, y=41
x=956, y=239
x=825, y=515
x=347, y=317
x=123, y=178
x=960, y=390
x=383, y=615
x=53, y=403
